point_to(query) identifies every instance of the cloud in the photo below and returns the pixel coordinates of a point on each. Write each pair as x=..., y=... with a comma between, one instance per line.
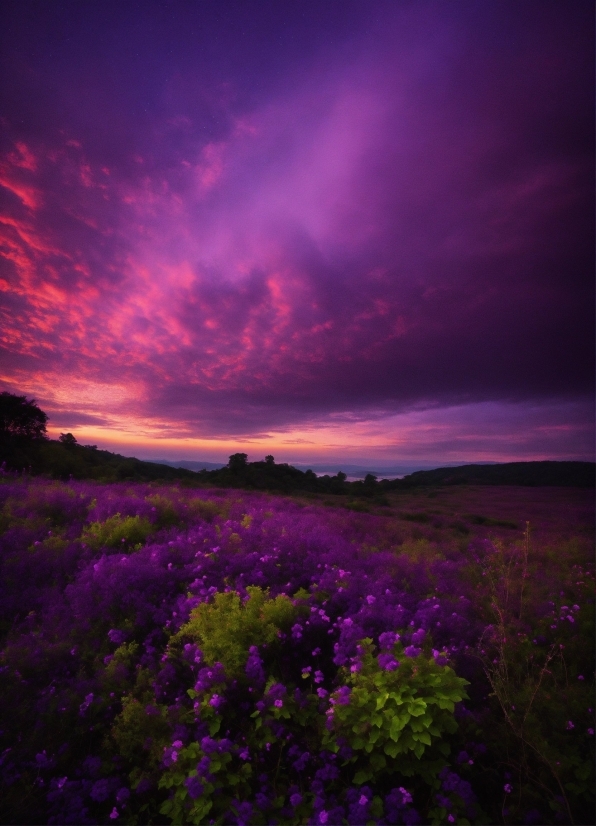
x=391, y=228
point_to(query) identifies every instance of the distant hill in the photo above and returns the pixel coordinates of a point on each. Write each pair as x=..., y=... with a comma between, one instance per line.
x=62, y=461
x=534, y=474
x=188, y=465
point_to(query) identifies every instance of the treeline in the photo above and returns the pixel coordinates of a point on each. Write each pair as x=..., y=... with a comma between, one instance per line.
x=25, y=448
x=269, y=476
x=58, y=460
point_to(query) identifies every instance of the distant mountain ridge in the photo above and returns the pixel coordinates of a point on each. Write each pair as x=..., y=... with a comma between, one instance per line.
x=534, y=474
x=187, y=464
x=72, y=460
x=548, y=473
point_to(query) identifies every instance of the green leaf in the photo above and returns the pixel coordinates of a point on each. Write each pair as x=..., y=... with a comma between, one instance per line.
x=378, y=761
x=381, y=700
x=392, y=749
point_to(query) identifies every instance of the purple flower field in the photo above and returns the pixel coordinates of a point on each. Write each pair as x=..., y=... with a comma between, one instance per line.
x=205, y=656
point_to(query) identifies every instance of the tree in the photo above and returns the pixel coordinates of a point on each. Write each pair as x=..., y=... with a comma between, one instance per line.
x=67, y=439
x=269, y=460
x=237, y=462
x=21, y=418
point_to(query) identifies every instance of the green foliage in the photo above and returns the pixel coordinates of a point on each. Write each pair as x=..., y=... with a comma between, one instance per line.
x=395, y=721
x=226, y=628
x=540, y=694
x=141, y=737
x=207, y=510
x=167, y=515
x=116, y=531
x=227, y=779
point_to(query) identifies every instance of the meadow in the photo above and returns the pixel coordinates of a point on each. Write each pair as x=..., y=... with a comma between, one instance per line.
x=171, y=655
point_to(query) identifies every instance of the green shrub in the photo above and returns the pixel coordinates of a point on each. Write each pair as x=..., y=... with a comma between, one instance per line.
x=116, y=531
x=395, y=720
x=226, y=628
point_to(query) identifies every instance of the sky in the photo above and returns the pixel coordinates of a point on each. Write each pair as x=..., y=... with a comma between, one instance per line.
x=342, y=231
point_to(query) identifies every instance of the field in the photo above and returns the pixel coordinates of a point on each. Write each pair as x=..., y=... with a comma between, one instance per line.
x=209, y=656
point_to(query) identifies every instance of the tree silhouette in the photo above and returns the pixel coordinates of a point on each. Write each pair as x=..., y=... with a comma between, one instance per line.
x=21, y=418
x=67, y=439
x=237, y=462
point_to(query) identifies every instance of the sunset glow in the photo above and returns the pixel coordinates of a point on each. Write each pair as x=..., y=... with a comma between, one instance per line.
x=332, y=232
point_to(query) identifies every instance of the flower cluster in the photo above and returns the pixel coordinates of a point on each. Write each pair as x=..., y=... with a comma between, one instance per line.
x=197, y=656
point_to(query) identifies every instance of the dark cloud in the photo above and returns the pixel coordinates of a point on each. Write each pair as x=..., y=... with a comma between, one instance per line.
x=255, y=216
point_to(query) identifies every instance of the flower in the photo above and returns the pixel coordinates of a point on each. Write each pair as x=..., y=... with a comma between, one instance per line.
x=387, y=662
x=194, y=786
x=507, y=788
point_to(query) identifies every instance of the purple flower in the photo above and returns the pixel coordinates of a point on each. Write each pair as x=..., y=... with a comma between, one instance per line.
x=194, y=786
x=507, y=788
x=84, y=706
x=254, y=666
x=114, y=812
x=122, y=795
x=388, y=639
x=341, y=697
x=116, y=636
x=170, y=755
x=100, y=790
x=296, y=799
x=387, y=662
x=418, y=636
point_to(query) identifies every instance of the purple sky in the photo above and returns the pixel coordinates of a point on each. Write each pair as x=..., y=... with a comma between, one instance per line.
x=338, y=231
